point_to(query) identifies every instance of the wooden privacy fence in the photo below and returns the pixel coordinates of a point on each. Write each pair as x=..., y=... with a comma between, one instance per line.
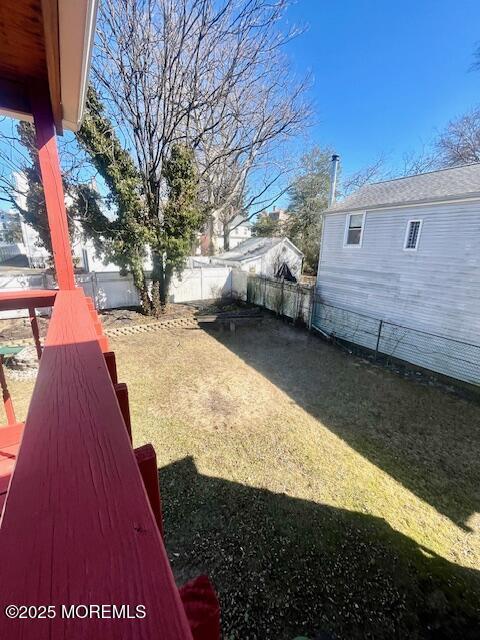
x=288, y=299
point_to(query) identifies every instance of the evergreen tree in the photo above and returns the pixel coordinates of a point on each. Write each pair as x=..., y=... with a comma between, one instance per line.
x=122, y=240
x=167, y=231
x=83, y=201
x=265, y=227
x=308, y=198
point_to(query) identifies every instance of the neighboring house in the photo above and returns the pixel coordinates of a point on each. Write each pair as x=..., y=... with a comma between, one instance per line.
x=213, y=237
x=241, y=230
x=10, y=230
x=31, y=248
x=19, y=242
x=407, y=252
x=277, y=215
x=11, y=246
x=35, y=255
x=272, y=257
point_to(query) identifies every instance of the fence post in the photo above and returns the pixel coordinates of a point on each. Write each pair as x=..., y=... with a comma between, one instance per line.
x=378, y=338
x=298, y=302
x=311, y=305
x=93, y=281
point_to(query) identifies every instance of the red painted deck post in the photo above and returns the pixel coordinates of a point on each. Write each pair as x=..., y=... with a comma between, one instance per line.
x=35, y=331
x=103, y=342
x=122, y=396
x=52, y=186
x=111, y=365
x=7, y=400
x=147, y=463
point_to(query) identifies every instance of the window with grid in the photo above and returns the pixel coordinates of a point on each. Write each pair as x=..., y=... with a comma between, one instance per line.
x=354, y=229
x=413, y=234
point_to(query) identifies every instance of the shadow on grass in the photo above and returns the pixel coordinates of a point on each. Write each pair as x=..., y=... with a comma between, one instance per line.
x=422, y=436
x=285, y=567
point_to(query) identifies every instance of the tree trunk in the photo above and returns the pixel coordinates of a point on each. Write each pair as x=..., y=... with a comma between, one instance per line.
x=226, y=238
x=165, y=284
x=141, y=285
x=157, y=283
x=161, y=278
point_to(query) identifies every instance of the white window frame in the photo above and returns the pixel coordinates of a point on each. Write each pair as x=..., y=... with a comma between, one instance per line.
x=407, y=233
x=347, y=227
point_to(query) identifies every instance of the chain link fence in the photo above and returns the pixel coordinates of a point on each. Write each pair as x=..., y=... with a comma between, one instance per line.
x=447, y=356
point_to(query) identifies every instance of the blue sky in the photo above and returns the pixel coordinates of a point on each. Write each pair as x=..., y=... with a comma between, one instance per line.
x=387, y=73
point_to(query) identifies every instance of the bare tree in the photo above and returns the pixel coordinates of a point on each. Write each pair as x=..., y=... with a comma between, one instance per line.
x=244, y=166
x=413, y=162
x=206, y=74
x=419, y=161
x=373, y=172
x=459, y=143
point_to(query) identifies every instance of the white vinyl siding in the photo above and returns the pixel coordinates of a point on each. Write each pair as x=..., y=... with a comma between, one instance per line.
x=435, y=289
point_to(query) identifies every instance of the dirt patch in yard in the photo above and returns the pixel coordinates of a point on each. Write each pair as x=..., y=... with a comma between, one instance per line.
x=325, y=497
x=19, y=329
x=15, y=329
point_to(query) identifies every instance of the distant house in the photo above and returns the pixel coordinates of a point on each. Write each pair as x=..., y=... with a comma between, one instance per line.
x=241, y=230
x=276, y=215
x=273, y=257
x=407, y=252
x=213, y=236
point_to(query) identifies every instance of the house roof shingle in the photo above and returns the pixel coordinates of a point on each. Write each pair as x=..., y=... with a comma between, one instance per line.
x=446, y=184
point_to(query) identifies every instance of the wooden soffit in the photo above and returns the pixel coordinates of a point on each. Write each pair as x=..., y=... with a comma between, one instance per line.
x=39, y=41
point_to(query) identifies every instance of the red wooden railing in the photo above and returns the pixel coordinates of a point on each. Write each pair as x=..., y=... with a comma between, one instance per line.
x=15, y=300
x=81, y=520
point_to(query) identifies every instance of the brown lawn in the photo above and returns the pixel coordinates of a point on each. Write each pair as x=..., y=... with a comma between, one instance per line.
x=324, y=496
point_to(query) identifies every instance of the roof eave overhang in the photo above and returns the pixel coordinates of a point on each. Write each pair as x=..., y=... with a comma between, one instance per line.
x=76, y=34
x=69, y=31
x=469, y=197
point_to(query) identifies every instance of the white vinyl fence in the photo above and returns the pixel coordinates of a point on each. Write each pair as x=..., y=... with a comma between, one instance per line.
x=110, y=290
x=21, y=282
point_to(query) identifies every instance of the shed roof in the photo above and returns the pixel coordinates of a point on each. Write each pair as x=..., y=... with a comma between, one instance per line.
x=254, y=248
x=456, y=183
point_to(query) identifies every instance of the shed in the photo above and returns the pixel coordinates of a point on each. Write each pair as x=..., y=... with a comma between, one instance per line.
x=270, y=257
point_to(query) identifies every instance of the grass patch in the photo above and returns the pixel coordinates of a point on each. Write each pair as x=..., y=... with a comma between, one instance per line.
x=324, y=496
